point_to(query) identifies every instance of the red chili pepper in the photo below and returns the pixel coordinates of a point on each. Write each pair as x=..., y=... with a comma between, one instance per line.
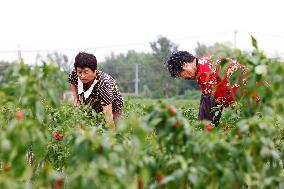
x=59, y=182
x=19, y=115
x=176, y=124
x=209, y=127
x=172, y=111
x=238, y=132
x=58, y=136
x=140, y=183
x=165, y=106
x=266, y=84
x=160, y=178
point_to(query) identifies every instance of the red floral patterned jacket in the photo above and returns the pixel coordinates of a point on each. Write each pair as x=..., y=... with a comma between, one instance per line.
x=208, y=78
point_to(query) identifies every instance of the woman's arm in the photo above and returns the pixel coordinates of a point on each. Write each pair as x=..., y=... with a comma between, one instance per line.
x=73, y=80
x=74, y=90
x=108, y=115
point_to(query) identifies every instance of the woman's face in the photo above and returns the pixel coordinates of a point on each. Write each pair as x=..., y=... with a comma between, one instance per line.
x=189, y=71
x=86, y=75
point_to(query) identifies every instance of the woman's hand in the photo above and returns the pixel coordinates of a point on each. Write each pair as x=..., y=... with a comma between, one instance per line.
x=76, y=102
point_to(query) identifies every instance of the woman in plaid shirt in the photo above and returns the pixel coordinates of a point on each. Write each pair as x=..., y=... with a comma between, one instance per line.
x=95, y=88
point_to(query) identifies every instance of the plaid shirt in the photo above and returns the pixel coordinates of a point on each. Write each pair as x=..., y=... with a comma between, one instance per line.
x=104, y=92
x=208, y=78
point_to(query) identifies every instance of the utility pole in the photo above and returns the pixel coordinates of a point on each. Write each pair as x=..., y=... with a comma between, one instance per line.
x=136, y=80
x=19, y=53
x=235, y=39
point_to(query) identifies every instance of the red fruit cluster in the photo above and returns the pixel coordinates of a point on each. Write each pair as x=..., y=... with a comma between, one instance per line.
x=172, y=111
x=58, y=136
x=19, y=115
x=209, y=127
x=165, y=106
x=266, y=84
x=238, y=132
x=255, y=97
x=160, y=178
x=58, y=183
x=176, y=124
x=140, y=183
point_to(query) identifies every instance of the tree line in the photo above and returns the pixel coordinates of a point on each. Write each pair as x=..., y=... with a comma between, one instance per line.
x=154, y=79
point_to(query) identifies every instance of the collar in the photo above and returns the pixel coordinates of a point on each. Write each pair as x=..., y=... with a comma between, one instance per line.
x=87, y=92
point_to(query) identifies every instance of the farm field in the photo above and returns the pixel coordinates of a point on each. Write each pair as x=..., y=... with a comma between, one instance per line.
x=158, y=143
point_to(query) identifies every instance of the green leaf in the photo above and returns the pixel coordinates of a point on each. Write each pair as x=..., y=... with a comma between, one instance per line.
x=223, y=67
x=276, y=86
x=254, y=42
x=39, y=111
x=19, y=165
x=39, y=149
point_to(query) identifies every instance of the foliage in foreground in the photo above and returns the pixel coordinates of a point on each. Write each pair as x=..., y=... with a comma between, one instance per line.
x=46, y=143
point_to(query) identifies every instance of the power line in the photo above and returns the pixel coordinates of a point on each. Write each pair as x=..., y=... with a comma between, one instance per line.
x=264, y=34
x=136, y=43
x=204, y=35
x=110, y=46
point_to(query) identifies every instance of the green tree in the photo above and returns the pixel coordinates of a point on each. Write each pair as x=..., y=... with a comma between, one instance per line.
x=162, y=48
x=217, y=49
x=4, y=67
x=122, y=68
x=153, y=75
x=161, y=82
x=61, y=60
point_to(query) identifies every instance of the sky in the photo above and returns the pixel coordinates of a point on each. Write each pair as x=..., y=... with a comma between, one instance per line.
x=103, y=27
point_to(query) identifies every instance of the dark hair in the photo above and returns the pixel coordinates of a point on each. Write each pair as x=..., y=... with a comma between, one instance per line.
x=83, y=60
x=175, y=61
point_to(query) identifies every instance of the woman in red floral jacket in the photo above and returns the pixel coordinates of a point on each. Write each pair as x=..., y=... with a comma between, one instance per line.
x=215, y=88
